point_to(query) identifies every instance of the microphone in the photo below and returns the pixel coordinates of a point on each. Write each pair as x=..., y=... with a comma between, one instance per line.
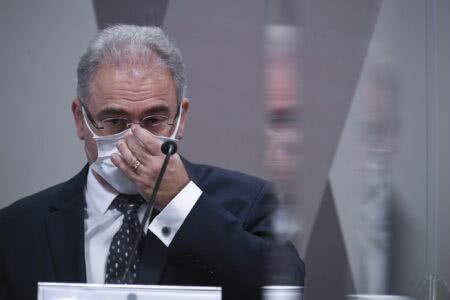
x=169, y=147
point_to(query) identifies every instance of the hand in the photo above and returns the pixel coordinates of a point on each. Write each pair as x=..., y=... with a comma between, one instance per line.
x=141, y=146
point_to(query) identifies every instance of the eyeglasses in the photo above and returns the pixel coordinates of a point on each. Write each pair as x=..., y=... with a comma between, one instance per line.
x=156, y=124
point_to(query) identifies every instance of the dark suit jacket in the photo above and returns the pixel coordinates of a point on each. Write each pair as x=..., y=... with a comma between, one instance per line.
x=223, y=241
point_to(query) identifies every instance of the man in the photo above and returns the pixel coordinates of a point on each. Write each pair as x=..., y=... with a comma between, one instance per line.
x=212, y=226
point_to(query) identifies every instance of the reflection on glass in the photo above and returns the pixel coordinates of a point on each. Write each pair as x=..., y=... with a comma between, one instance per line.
x=377, y=129
x=284, y=139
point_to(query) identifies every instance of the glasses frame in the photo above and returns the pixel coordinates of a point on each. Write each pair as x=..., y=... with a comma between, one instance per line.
x=129, y=123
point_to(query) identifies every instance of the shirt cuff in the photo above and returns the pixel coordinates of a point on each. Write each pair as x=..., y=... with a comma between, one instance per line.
x=167, y=223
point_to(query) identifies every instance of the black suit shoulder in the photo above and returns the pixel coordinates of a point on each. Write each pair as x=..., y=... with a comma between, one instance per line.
x=236, y=192
x=29, y=206
x=23, y=220
x=212, y=177
x=24, y=215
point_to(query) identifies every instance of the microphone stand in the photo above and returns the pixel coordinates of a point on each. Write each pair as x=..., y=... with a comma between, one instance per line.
x=169, y=148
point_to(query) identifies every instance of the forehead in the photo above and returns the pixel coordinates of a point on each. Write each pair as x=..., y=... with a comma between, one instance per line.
x=132, y=83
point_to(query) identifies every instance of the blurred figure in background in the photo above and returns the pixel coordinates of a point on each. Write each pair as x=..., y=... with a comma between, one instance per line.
x=283, y=107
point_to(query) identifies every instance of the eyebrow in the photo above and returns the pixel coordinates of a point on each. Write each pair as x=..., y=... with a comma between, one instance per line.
x=111, y=111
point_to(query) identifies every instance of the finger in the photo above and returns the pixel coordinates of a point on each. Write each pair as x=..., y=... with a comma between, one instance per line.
x=136, y=147
x=123, y=166
x=126, y=154
x=150, y=142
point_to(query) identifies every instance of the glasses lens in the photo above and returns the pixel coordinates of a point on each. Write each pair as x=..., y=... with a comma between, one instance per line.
x=157, y=124
x=114, y=125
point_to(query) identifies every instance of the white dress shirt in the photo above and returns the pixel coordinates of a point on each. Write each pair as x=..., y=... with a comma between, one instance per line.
x=101, y=223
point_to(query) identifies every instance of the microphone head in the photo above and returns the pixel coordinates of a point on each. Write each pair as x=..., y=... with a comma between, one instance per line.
x=169, y=147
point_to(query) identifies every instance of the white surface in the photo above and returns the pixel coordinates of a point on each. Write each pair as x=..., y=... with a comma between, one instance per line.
x=63, y=291
x=282, y=293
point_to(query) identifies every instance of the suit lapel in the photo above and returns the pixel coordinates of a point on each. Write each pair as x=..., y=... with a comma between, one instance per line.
x=65, y=228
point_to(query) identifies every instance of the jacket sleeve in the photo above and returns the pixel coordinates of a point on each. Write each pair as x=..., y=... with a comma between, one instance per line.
x=238, y=247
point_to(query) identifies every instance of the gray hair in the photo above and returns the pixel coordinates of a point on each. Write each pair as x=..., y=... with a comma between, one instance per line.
x=129, y=44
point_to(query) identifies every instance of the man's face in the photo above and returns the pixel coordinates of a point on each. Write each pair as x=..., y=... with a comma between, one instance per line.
x=130, y=91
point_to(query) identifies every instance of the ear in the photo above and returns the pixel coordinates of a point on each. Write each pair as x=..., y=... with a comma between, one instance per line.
x=78, y=118
x=184, y=110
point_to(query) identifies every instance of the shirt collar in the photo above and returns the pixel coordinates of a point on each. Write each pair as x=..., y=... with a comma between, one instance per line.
x=98, y=198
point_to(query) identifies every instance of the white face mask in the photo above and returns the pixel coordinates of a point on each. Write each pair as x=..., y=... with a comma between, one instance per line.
x=106, y=146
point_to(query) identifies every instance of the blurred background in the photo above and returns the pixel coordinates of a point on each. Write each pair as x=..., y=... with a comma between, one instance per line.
x=344, y=104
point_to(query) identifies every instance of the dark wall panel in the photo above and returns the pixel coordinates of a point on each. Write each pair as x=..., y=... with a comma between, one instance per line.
x=137, y=12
